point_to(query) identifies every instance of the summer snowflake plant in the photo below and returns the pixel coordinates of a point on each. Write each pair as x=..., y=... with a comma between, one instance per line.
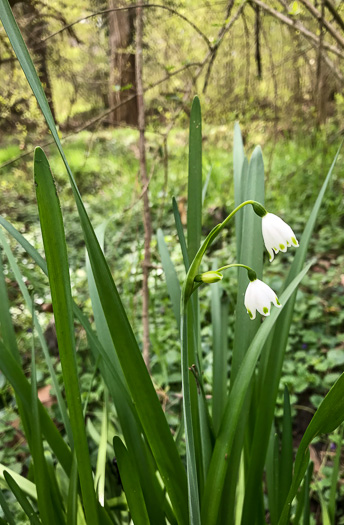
x=277, y=234
x=259, y=296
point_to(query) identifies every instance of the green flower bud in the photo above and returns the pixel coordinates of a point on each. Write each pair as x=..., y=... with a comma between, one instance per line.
x=259, y=209
x=209, y=277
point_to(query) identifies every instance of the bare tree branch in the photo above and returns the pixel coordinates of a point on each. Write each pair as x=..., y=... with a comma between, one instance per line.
x=298, y=27
x=317, y=14
x=103, y=115
x=334, y=13
x=224, y=29
x=156, y=6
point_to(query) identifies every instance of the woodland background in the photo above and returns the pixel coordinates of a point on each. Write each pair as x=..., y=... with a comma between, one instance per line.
x=277, y=67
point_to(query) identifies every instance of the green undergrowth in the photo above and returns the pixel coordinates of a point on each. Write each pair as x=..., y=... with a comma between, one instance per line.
x=106, y=167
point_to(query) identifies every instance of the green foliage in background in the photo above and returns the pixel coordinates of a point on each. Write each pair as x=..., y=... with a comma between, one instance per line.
x=225, y=443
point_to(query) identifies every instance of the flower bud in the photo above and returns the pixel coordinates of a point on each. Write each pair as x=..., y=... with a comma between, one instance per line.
x=209, y=277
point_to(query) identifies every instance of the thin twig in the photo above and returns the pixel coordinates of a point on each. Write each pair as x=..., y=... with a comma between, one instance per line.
x=147, y=223
x=213, y=52
x=125, y=8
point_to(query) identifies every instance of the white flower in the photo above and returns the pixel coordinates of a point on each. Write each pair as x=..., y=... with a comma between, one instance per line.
x=259, y=296
x=277, y=234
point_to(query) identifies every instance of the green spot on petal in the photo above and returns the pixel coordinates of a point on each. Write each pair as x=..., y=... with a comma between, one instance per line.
x=277, y=302
x=250, y=314
x=265, y=310
x=294, y=241
x=282, y=246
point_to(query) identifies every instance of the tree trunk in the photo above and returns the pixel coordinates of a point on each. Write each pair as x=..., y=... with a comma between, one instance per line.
x=122, y=80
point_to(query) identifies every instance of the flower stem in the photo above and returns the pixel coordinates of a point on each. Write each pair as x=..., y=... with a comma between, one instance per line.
x=188, y=286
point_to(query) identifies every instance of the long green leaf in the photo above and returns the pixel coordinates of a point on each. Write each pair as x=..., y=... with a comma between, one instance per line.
x=47, y=512
x=271, y=365
x=58, y=273
x=180, y=233
x=248, y=184
x=5, y=508
x=223, y=445
x=22, y=499
x=139, y=383
x=124, y=406
x=113, y=377
x=172, y=281
x=335, y=476
x=20, y=384
x=329, y=415
x=29, y=304
x=131, y=484
x=194, y=214
x=238, y=162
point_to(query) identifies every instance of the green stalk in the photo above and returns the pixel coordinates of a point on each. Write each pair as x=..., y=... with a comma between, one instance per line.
x=194, y=503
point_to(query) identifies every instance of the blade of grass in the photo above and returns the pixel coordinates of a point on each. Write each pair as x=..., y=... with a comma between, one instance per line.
x=172, y=281
x=194, y=213
x=306, y=508
x=238, y=161
x=180, y=232
x=5, y=508
x=58, y=273
x=22, y=499
x=272, y=476
x=29, y=305
x=251, y=253
x=223, y=445
x=335, y=477
x=286, y=468
x=44, y=498
x=131, y=484
x=20, y=384
x=205, y=185
x=329, y=415
x=248, y=185
x=72, y=498
x=99, y=478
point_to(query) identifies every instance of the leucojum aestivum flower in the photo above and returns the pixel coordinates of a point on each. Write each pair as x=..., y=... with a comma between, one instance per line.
x=258, y=297
x=277, y=235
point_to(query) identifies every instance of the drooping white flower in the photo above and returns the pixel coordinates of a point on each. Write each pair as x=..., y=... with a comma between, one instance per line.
x=277, y=234
x=259, y=296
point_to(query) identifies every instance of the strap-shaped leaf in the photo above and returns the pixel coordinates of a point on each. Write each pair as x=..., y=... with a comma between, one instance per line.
x=139, y=383
x=223, y=445
x=58, y=272
x=131, y=484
